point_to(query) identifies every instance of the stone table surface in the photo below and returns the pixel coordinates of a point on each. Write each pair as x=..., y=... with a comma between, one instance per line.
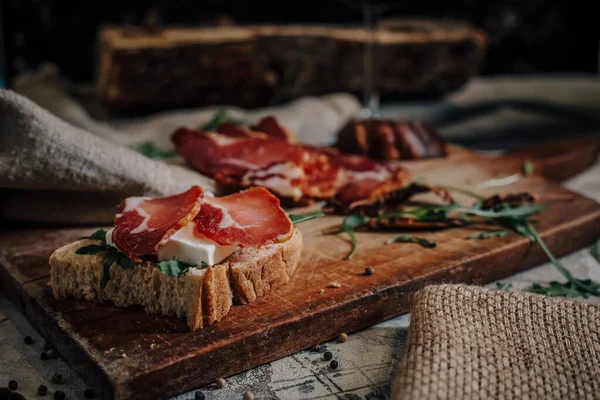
x=367, y=360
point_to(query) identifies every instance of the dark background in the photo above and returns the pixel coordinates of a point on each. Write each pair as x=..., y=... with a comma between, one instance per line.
x=526, y=36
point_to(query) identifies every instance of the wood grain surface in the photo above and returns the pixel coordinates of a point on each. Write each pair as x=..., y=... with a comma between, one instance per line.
x=126, y=354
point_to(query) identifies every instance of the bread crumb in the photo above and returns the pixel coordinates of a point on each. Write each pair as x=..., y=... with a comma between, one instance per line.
x=248, y=396
x=220, y=383
x=343, y=337
x=335, y=284
x=123, y=355
x=153, y=345
x=321, y=291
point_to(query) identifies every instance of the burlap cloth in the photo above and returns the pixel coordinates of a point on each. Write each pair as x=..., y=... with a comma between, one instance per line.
x=467, y=342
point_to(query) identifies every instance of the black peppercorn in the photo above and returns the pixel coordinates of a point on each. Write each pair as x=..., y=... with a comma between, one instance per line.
x=42, y=390
x=13, y=385
x=56, y=378
x=199, y=395
x=28, y=340
x=58, y=395
x=333, y=364
x=44, y=356
x=328, y=356
x=89, y=394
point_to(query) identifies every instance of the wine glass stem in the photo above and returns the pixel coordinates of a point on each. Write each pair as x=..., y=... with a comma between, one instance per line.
x=370, y=92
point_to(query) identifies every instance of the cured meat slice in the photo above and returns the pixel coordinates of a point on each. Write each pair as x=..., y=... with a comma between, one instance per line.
x=366, y=180
x=234, y=130
x=272, y=128
x=252, y=218
x=289, y=170
x=143, y=224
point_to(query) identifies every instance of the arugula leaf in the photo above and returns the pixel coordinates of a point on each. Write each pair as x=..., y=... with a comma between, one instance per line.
x=173, y=267
x=100, y=234
x=150, y=150
x=488, y=235
x=503, y=285
x=217, y=119
x=528, y=167
x=522, y=211
x=297, y=218
x=91, y=249
x=350, y=223
x=108, y=262
x=410, y=239
x=584, y=287
x=596, y=250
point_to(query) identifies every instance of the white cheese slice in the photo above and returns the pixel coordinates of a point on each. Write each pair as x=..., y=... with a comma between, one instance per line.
x=189, y=247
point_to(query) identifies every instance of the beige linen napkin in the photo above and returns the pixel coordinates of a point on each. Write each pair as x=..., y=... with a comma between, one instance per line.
x=467, y=342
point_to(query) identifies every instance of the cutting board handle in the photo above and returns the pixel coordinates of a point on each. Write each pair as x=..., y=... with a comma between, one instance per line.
x=556, y=160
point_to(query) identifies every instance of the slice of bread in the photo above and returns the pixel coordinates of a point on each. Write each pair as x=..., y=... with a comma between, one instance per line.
x=202, y=296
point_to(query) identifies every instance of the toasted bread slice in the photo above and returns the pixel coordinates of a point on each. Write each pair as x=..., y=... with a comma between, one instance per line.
x=202, y=296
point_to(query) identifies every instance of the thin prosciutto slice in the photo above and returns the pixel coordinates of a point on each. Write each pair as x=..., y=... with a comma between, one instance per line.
x=252, y=218
x=144, y=224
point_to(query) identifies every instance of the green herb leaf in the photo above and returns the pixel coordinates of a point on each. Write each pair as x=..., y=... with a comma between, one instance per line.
x=503, y=285
x=173, y=267
x=150, y=150
x=349, y=224
x=410, y=239
x=108, y=262
x=528, y=167
x=596, y=250
x=217, y=119
x=567, y=289
x=100, y=234
x=297, y=218
x=488, y=235
x=522, y=211
x=91, y=249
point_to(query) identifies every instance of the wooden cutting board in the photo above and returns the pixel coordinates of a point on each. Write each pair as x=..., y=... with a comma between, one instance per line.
x=124, y=353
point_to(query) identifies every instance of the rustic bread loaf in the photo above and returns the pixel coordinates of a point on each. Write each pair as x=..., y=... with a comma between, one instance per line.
x=202, y=296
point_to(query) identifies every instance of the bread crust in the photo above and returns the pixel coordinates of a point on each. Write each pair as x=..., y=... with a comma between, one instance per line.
x=202, y=296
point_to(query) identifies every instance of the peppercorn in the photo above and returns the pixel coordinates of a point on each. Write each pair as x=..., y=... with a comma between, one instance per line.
x=199, y=395
x=28, y=340
x=13, y=385
x=89, y=394
x=56, y=378
x=58, y=395
x=333, y=364
x=44, y=356
x=369, y=271
x=248, y=396
x=328, y=356
x=343, y=337
x=42, y=390
x=220, y=383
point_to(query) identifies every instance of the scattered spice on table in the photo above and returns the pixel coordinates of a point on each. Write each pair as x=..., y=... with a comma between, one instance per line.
x=335, y=285
x=42, y=390
x=58, y=395
x=321, y=291
x=199, y=395
x=328, y=356
x=28, y=340
x=89, y=394
x=220, y=383
x=343, y=337
x=369, y=271
x=56, y=378
x=13, y=385
x=333, y=364
x=248, y=396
